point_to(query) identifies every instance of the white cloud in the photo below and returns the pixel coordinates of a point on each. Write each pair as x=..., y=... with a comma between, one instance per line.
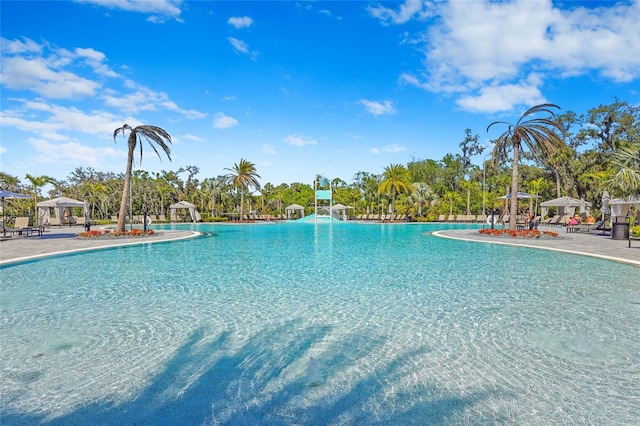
x=158, y=10
x=145, y=99
x=268, y=149
x=35, y=74
x=240, y=46
x=393, y=148
x=240, y=22
x=72, y=152
x=502, y=98
x=193, y=137
x=300, y=139
x=484, y=50
x=221, y=121
x=378, y=108
x=407, y=11
x=374, y=151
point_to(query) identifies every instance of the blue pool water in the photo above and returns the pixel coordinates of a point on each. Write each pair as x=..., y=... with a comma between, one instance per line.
x=320, y=324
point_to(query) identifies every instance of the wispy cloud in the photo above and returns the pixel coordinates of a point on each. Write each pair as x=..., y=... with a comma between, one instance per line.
x=299, y=139
x=158, y=10
x=268, y=149
x=221, y=121
x=390, y=149
x=241, y=47
x=378, y=107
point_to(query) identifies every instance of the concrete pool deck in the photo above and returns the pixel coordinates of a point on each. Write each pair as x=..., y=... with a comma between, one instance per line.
x=63, y=241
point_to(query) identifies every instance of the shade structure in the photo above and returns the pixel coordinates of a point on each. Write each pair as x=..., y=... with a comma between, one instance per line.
x=4, y=194
x=620, y=206
x=568, y=204
x=185, y=205
x=294, y=208
x=59, y=205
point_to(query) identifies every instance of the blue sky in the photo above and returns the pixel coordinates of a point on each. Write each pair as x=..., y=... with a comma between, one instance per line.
x=298, y=88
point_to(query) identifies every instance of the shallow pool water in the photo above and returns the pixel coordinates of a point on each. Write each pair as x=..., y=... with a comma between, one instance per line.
x=320, y=324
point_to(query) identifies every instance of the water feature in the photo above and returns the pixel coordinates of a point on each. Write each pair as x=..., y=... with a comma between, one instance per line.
x=332, y=323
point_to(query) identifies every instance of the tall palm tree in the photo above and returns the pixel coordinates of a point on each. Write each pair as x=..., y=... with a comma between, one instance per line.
x=536, y=133
x=151, y=134
x=395, y=179
x=243, y=175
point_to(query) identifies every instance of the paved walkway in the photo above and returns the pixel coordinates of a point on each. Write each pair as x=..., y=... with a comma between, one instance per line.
x=584, y=243
x=60, y=240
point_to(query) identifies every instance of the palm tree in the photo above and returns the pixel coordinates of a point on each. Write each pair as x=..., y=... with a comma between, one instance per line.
x=395, y=179
x=535, y=186
x=243, y=175
x=422, y=194
x=536, y=133
x=626, y=181
x=38, y=182
x=151, y=134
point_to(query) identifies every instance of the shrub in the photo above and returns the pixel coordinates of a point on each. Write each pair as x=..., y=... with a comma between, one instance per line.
x=635, y=231
x=511, y=233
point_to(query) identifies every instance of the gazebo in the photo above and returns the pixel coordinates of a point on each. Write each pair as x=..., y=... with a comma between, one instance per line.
x=568, y=204
x=184, y=205
x=341, y=210
x=59, y=206
x=294, y=208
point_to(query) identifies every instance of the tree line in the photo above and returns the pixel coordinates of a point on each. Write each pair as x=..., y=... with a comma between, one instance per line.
x=550, y=156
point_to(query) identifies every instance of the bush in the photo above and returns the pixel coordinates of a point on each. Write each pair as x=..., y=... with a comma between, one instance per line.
x=635, y=231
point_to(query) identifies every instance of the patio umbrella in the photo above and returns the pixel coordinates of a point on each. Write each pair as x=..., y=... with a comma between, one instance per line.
x=605, y=204
x=9, y=195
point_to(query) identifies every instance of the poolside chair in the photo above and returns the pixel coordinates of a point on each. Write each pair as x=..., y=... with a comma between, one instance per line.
x=564, y=220
x=114, y=219
x=21, y=227
x=481, y=218
x=54, y=221
x=441, y=218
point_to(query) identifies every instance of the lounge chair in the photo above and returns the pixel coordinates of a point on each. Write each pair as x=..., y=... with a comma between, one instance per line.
x=441, y=218
x=582, y=227
x=481, y=218
x=564, y=220
x=114, y=219
x=21, y=227
x=162, y=218
x=551, y=220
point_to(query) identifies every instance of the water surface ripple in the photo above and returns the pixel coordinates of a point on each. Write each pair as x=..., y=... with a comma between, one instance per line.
x=320, y=324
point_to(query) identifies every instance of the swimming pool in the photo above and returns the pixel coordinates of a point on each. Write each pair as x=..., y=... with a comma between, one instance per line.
x=320, y=324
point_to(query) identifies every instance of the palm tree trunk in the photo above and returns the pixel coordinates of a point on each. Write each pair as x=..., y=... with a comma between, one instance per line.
x=241, y=204
x=125, y=192
x=514, y=187
x=557, y=168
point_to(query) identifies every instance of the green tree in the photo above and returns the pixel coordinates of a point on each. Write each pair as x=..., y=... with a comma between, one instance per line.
x=536, y=133
x=137, y=135
x=242, y=176
x=395, y=179
x=626, y=181
x=38, y=182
